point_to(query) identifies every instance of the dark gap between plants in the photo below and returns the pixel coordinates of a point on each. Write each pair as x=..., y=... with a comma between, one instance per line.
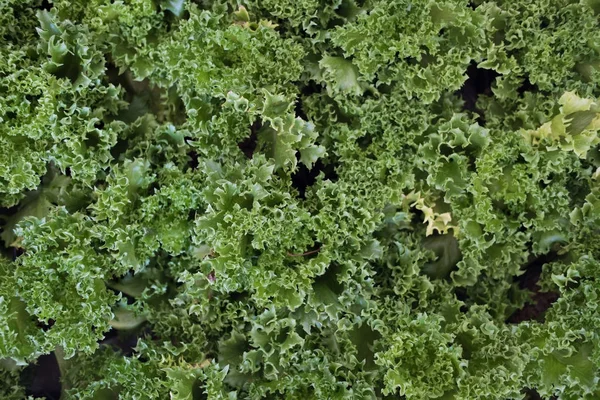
x=527, y=86
x=461, y=295
x=46, y=326
x=42, y=379
x=193, y=160
x=304, y=178
x=237, y=297
x=46, y=5
x=299, y=110
x=473, y=5
x=122, y=341
x=540, y=301
x=248, y=145
x=8, y=211
x=198, y=391
x=329, y=280
x=312, y=87
x=479, y=82
x=17, y=252
x=532, y=394
x=364, y=141
x=116, y=78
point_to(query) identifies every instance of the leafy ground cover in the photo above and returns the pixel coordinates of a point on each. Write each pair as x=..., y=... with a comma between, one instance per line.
x=309, y=199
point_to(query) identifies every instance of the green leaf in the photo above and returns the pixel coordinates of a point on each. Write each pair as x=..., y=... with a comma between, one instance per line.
x=341, y=75
x=177, y=7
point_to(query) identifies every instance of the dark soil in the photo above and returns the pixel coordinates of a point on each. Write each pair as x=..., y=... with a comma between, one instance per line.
x=540, y=301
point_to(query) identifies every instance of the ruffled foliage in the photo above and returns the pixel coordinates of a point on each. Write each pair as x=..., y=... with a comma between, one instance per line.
x=301, y=199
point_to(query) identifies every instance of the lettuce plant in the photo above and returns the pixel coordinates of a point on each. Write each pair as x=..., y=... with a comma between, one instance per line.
x=310, y=199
